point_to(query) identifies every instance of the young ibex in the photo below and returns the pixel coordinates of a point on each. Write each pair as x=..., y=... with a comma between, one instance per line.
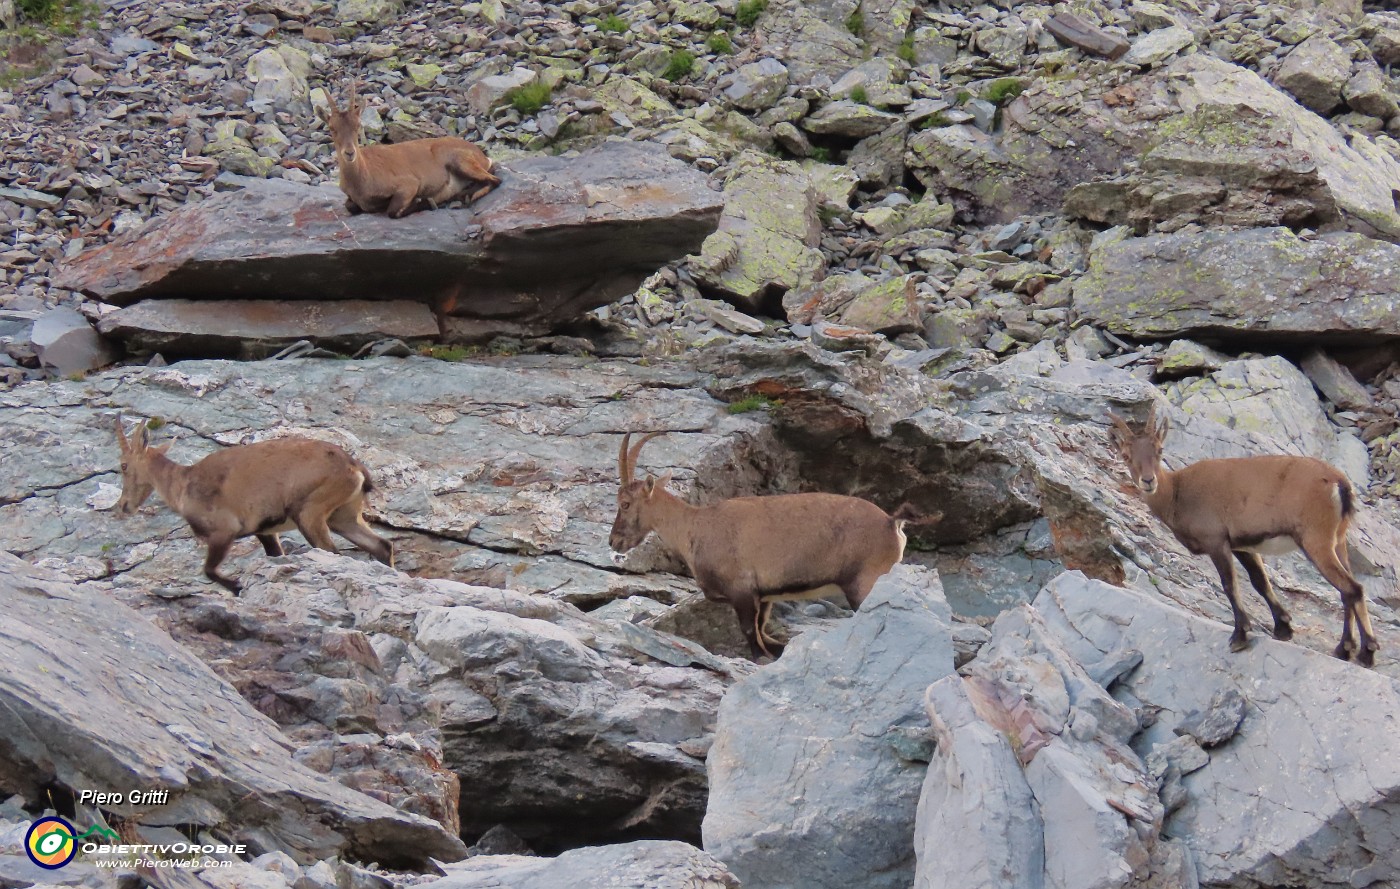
x=752, y=551
x=1253, y=505
x=254, y=490
x=404, y=177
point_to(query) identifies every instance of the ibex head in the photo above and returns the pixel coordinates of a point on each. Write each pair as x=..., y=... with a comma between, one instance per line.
x=136, y=452
x=345, y=125
x=1142, y=451
x=629, y=528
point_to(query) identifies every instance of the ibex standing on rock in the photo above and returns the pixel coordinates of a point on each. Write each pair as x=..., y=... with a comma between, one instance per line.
x=1253, y=505
x=402, y=178
x=752, y=551
x=255, y=490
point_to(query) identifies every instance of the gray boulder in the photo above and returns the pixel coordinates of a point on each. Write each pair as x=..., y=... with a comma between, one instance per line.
x=757, y=85
x=489, y=93
x=849, y=119
x=66, y=342
x=648, y=864
x=1074, y=30
x=367, y=11
x=1315, y=72
x=1335, y=381
x=277, y=240
x=1369, y=91
x=179, y=727
x=768, y=236
x=279, y=76
x=804, y=745
x=1264, y=285
x=1157, y=46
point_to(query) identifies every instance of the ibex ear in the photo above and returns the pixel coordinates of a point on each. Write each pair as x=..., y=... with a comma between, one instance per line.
x=161, y=449
x=141, y=439
x=663, y=481
x=1163, y=426
x=649, y=484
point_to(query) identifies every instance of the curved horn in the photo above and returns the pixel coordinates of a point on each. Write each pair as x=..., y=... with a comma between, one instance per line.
x=121, y=434
x=637, y=449
x=624, y=472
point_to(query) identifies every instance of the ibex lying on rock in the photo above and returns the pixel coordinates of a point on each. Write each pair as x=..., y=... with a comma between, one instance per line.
x=752, y=551
x=403, y=177
x=1252, y=505
x=255, y=490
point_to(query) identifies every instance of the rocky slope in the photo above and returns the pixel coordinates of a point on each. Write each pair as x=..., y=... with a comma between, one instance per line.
x=909, y=251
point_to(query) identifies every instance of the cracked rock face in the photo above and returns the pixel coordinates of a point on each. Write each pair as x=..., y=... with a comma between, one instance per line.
x=128, y=707
x=1045, y=777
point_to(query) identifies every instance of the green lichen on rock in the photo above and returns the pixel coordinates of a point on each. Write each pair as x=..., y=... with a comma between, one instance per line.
x=1256, y=284
x=887, y=307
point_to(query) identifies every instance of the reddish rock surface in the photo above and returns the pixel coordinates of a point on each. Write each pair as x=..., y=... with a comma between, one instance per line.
x=562, y=235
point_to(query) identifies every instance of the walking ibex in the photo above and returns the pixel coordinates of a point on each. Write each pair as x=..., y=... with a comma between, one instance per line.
x=255, y=490
x=1253, y=505
x=751, y=551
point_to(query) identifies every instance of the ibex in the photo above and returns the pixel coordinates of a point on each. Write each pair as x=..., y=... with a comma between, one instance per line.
x=1253, y=505
x=254, y=490
x=403, y=177
x=752, y=551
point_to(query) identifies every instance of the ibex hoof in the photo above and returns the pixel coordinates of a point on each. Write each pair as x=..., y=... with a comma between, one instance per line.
x=1341, y=652
x=1366, y=657
x=1239, y=643
x=1283, y=632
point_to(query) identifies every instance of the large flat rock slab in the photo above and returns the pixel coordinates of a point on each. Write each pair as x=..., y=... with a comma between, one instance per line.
x=94, y=696
x=560, y=236
x=1259, y=284
x=256, y=328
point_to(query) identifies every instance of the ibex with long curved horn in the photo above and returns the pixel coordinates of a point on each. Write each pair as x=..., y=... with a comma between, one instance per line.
x=751, y=551
x=1246, y=506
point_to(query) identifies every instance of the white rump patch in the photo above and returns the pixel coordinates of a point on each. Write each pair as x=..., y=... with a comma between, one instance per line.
x=1272, y=546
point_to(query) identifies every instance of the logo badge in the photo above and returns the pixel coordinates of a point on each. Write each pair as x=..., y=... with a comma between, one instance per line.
x=50, y=843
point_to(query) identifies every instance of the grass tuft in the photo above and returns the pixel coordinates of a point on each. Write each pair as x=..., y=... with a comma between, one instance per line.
x=749, y=11
x=720, y=44
x=1003, y=89
x=752, y=403
x=613, y=24
x=681, y=64
x=531, y=98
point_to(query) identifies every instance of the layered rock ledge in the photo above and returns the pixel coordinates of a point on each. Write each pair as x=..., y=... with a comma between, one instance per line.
x=560, y=236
